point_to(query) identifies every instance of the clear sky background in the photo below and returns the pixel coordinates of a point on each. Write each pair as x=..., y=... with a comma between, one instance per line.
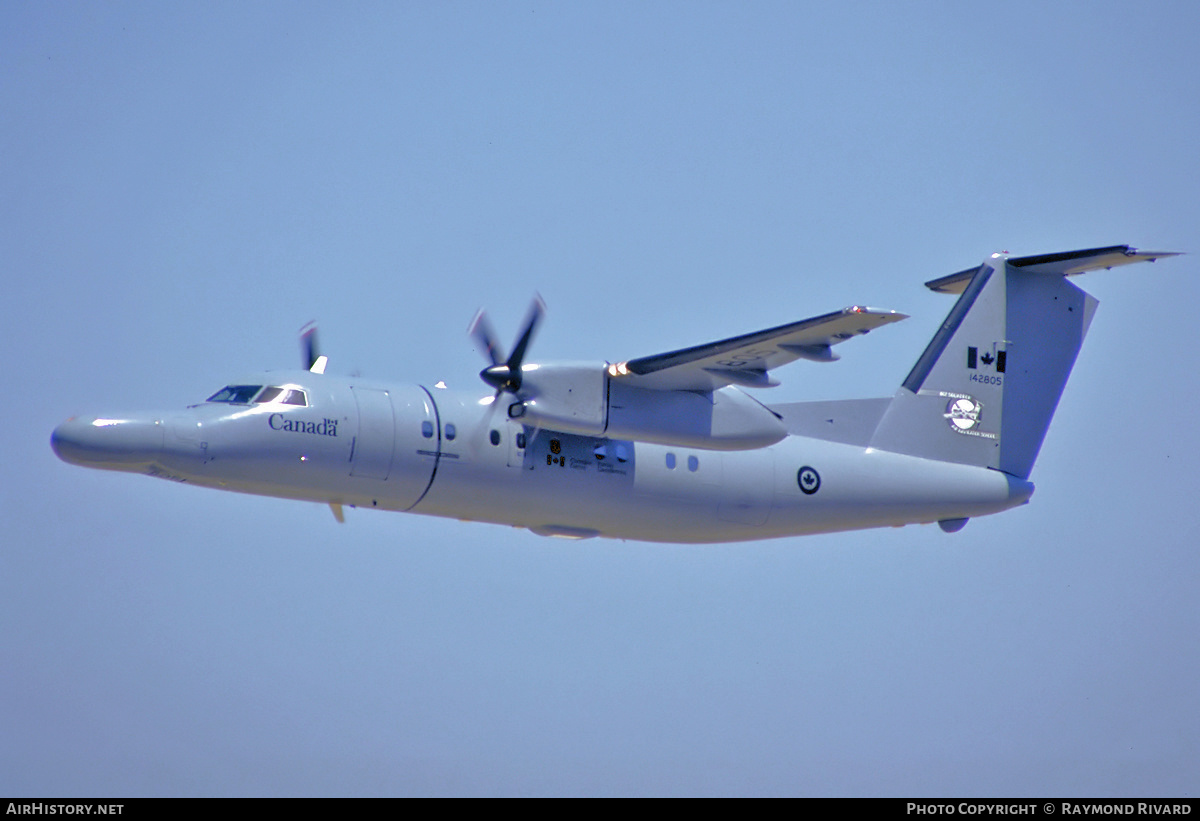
x=183, y=185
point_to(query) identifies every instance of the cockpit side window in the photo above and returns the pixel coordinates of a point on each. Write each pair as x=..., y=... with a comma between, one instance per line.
x=235, y=394
x=285, y=396
x=269, y=394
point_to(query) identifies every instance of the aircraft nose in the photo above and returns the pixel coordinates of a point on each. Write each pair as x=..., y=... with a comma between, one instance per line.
x=117, y=442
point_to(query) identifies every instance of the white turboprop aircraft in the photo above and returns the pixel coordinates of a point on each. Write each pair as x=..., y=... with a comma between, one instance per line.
x=665, y=448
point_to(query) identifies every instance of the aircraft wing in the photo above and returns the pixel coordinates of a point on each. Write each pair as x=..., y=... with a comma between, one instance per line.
x=747, y=360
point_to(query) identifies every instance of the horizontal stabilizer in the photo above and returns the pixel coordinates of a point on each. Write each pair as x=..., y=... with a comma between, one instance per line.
x=745, y=360
x=1068, y=263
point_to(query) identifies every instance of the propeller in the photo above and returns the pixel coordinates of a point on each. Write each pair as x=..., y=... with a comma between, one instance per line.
x=502, y=374
x=505, y=374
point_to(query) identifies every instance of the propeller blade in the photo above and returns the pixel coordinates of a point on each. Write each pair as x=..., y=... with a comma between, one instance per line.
x=310, y=356
x=537, y=309
x=480, y=330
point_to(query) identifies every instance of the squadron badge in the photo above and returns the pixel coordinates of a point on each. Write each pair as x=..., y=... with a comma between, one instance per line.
x=963, y=413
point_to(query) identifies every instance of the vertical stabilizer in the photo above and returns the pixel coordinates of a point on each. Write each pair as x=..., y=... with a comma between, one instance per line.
x=985, y=389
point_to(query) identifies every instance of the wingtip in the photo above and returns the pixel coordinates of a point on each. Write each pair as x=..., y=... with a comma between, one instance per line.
x=882, y=313
x=1150, y=256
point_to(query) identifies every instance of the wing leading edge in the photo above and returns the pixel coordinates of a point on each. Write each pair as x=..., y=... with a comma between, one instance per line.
x=747, y=360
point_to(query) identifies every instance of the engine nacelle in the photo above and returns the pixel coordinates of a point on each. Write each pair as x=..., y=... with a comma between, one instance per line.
x=571, y=397
x=725, y=419
x=582, y=398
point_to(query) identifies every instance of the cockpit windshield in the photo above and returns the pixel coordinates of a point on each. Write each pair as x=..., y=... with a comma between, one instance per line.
x=244, y=394
x=235, y=394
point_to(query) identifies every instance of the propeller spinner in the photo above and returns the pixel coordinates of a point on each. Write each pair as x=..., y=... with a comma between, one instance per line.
x=505, y=374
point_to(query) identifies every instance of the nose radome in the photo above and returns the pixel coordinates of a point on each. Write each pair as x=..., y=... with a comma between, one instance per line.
x=116, y=442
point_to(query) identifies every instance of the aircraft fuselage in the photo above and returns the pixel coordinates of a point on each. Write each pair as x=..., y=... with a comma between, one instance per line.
x=403, y=447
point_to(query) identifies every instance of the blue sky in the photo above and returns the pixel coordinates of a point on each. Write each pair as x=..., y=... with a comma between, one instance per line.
x=185, y=185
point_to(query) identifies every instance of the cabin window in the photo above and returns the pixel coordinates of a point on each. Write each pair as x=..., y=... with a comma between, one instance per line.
x=670, y=461
x=427, y=429
x=451, y=431
x=235, y=394
x=693, y=464
x=521, y=440
x=494, y=436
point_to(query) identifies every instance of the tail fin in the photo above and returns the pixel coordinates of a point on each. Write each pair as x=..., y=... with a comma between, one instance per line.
x=986, y=387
